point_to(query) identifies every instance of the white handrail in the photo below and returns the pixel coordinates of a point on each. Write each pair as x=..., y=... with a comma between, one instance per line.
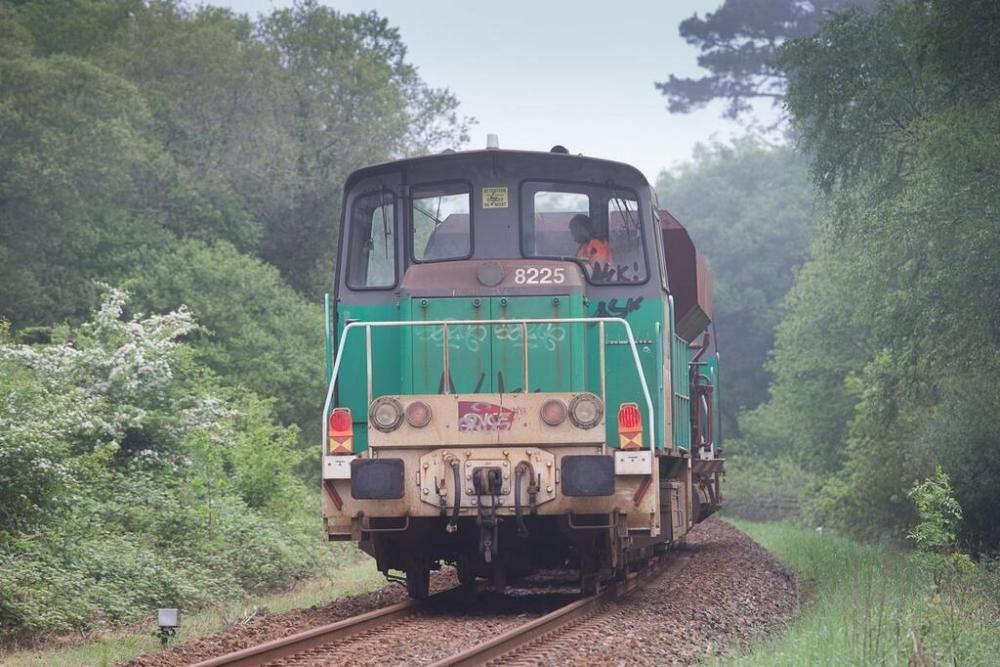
x=524, y=322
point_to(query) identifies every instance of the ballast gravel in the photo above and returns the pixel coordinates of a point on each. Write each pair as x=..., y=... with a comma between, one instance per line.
x=726, y=592
x=723, y=591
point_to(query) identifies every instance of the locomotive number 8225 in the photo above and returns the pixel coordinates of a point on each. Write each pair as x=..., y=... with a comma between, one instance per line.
x=521, y=369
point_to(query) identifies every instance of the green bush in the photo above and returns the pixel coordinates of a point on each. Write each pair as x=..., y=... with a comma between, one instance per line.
x=256, y=332
x=758, y=489
x=132, y=479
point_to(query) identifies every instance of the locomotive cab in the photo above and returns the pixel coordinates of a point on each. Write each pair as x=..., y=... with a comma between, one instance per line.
x=508, y=385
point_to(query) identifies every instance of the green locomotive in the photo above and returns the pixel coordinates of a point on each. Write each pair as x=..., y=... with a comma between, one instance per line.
x=521, y=369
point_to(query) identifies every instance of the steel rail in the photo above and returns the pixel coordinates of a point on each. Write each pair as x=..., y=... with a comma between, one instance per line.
x=303, y=641
x=508, y=642
x=532, y=631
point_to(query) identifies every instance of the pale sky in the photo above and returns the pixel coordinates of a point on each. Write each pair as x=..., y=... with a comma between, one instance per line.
x=544, y=72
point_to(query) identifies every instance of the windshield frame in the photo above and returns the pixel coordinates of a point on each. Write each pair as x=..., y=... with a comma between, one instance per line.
x=526, y=208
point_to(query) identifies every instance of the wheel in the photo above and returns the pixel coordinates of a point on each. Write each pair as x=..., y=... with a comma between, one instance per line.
x=418, y=582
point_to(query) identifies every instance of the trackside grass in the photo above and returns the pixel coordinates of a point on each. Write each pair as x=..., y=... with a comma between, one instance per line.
x=358, y=576
x=877, y=605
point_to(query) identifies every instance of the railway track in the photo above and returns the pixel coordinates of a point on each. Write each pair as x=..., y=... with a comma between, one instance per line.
x=406, y=624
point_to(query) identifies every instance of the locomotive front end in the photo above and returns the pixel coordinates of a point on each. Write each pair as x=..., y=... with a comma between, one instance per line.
x=500, y=360
x=477, y=464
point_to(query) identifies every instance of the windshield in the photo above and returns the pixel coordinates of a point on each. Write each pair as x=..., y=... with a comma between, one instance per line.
x=595, y=225
x=441, y=224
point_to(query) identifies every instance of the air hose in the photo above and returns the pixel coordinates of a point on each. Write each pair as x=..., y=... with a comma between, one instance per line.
x=522, y=468
x=457, y=474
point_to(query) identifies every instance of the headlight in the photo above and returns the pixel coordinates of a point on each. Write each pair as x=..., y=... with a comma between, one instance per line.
x=553, y=412
x=418, y=414
x=385, y=414
x=586, y=410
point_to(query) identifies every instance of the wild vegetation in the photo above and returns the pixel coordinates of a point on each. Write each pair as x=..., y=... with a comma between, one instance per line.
x=738, y=44
x=153, y=448
x=886, y=364
x=885, y=356
x=874, y=604
x=133, y=478
x=169, y=190
x=875, y=413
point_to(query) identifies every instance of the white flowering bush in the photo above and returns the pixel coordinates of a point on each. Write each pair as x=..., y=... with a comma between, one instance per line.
x=130, y=478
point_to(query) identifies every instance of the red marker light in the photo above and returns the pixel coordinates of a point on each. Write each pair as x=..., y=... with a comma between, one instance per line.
x=629, y=418
x=629, y=426
x=340, y=421
x=341, y=431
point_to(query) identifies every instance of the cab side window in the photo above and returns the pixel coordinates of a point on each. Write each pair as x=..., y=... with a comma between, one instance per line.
x=625, y=238
x=371, y=261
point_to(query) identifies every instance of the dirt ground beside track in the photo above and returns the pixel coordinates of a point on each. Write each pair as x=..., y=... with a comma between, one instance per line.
x=728, y=591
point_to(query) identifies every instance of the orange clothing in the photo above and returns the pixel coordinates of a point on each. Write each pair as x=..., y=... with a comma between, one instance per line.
x=594, y=250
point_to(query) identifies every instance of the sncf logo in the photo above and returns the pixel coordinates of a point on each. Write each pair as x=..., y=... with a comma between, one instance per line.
x=481, y=416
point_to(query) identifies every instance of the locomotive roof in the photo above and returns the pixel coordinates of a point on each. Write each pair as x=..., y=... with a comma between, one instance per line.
x=552, y=163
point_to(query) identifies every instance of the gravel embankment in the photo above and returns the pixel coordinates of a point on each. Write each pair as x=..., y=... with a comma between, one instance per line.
x=727, y=590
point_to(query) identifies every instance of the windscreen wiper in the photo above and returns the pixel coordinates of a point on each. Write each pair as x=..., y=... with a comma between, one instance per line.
x=437, y=221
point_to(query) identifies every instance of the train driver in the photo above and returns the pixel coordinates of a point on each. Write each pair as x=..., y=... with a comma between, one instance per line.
x=592, y=250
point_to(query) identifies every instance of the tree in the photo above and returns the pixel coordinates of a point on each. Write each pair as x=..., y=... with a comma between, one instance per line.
x=74, y=157
x=818, y=352
x=76, y=27
x=257, y=332
x=738, y=44
x=899, y=110
x=351, y=99
x=750, y=211
x=130, y=477
x=259, y=121
x=144, y=457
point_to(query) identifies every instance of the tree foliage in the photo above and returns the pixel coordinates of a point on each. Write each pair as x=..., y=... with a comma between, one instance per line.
x=939, y=513
x=889, y=352
x=339, y=118
x=182, y=152
x=255, y=331
x=74, y=155
x=739, y=43
x=125, y=119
